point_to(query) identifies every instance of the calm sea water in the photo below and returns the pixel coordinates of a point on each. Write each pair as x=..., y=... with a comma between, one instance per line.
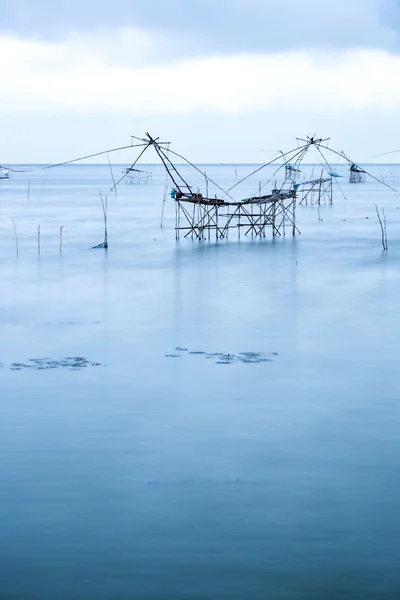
x=126, y=473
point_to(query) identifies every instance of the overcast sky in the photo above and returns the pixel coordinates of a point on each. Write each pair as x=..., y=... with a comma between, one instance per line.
x=223, y=80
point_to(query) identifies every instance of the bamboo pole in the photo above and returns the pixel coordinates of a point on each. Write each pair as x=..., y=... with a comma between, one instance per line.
x=16, y=238
x=382, y=228
x=112, y=176
x=320, y=187
x=165, y=193
x=273, y=219
x=294, y=216
x=104, y=204
x=176, y=220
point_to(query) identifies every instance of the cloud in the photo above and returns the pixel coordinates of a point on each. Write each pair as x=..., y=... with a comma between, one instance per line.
x=80, y=67
x=204, y=27
x=75, y=76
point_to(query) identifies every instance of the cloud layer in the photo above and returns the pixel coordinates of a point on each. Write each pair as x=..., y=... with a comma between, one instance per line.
x=77, y=76
x=81, y=67
x=194, y=27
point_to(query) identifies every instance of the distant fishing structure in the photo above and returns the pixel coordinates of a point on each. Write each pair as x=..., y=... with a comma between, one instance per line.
x=137, y=176
x=4, y=173
x=357, y=175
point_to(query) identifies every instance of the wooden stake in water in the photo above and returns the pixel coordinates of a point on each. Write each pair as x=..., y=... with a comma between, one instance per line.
x=104, y=206
x=165, y=193
x=61, y=237
x=16, y=237
x=38, y=239
x=383, y=228
x=112, y=176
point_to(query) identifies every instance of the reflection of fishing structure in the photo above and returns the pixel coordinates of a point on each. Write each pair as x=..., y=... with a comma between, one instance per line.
x=137, y=176
x=357, y=175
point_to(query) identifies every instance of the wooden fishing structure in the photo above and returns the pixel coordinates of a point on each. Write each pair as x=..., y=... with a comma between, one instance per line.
x=4, y=173
x=291, y=173
x=357, y=175
x=202, y=216
x=317, y=191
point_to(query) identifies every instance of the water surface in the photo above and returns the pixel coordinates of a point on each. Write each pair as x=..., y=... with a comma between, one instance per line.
x=140, y=458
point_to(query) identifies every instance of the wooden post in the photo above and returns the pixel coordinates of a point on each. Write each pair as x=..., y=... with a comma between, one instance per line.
x=104, y=204
x=176, y=219
x=112, y=176
x=384, y=224
x=382, y=228
x=194, y=217
x=273, y=218
x=16, y=237
x=320, y=187
x=294, y=215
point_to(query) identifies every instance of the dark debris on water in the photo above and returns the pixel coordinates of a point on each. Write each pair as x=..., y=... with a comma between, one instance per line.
x=226, y=359
x=73, y=363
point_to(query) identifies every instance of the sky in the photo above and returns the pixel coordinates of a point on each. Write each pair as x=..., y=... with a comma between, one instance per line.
x=222, y=80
